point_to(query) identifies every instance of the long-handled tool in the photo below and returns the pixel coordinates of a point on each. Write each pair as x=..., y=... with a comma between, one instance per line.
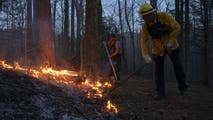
x=110, y=61
x=127, y=78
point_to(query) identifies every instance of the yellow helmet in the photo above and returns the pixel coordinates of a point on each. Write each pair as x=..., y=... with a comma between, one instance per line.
x=146, y=9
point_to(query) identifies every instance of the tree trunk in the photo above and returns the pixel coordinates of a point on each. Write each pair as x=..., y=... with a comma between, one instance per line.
x=123, y=55
x=211, y=42
x=31, y=52
x=179, y=17
x=206, y=39
x=66, y=30
x=72, y=38
x=29, y=30
x=131, y=36
x=154, y=3
x=177, y=10
x=91, y=59
x=54, y=15
x=45, y=34
x=181, y=20
x=79, y=22
x=187, y=38
x=62, y=21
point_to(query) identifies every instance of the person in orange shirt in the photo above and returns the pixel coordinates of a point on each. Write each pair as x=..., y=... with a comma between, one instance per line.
x=114, y=54
x=163, y=30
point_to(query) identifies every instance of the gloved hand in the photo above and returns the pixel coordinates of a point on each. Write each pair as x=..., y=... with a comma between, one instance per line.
x=170, y=44
x=147, y=58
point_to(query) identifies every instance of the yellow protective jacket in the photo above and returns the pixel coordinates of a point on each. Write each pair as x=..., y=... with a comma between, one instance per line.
x=159, y=45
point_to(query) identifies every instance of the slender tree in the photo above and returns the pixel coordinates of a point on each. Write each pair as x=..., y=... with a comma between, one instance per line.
x=72, y=38
x=206, y=39
x=65, y=40
x=79, y=22
x=54, y=14
x=131, y=34
x=187, y=36
x=177, y=10
x=211, y=41
x=29, y=27
x=122, y=36
x=154, y=3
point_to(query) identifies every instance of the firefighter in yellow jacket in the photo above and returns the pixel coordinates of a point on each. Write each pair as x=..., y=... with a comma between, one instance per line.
x=163, y=30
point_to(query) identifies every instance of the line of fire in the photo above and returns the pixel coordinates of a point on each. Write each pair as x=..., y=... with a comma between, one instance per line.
x=93, y=89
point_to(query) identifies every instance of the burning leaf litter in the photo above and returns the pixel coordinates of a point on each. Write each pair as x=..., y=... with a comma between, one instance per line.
x=111, y=108
x=93, y=89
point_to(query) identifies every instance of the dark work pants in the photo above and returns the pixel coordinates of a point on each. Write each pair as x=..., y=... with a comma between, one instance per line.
x=117, y=64
x=159, y=71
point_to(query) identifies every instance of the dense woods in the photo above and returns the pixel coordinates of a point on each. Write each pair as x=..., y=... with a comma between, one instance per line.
x=71, y=33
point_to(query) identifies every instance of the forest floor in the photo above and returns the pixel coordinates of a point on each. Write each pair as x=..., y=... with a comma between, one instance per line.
x=25, y=98
x=135, y=99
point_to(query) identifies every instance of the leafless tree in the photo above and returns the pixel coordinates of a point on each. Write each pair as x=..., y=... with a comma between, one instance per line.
x=131, y=33
x=206, y=31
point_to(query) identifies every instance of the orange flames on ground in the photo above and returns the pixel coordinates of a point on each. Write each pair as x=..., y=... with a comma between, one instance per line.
x=94, y=89
x=111, y=108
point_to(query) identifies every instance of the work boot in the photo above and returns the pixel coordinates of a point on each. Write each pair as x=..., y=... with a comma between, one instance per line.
x=158, y=97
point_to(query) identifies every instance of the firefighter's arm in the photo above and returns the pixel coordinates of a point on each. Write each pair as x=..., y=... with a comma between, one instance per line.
x=144, y=41
x=114, y=53
x=174, y=27
x=144, y=44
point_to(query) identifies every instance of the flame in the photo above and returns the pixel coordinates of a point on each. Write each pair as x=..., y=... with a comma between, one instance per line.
x=98, y=87
x=110, y=107
x=94, y=89
x=6, y=65
x=57, y=73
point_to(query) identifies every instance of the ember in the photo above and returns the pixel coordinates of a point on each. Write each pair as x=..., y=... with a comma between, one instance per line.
x=94, y=89
x=111, y=108
x=98, y=87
